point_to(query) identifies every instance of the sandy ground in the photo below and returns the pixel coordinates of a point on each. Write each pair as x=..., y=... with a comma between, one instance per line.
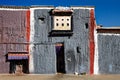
x=58, y=77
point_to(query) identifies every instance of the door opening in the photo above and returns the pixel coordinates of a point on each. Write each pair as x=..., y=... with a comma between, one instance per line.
x=19, y=66
x=60, y=63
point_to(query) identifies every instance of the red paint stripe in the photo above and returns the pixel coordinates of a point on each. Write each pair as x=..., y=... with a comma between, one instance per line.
x=28, y=28
x=92, y=43
x=28, y=32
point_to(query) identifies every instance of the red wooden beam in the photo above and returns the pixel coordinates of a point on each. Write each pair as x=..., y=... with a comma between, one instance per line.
x=28, y=28
x=91, y=40
x=28, y=32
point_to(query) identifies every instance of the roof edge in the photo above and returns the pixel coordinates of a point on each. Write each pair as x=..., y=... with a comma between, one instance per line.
x=107, y=28
x=43, y=6
x=83, y=7
x=14, y=7
x=114, y=30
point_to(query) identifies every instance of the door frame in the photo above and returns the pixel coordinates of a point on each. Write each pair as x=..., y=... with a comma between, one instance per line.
x=60, y=58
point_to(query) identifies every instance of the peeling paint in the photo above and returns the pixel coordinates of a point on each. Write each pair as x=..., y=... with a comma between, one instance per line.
x=108, y=52
x=91, y=40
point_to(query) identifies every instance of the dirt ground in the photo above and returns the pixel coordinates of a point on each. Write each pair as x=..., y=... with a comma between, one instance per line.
x=58, y=77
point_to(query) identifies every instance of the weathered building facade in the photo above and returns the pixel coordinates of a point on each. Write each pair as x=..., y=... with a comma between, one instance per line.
x=107, y=51
x=49, y=40
x=62, y=39
x=14, y=33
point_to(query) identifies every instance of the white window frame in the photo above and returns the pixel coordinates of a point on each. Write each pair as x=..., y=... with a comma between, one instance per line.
x=62, y=23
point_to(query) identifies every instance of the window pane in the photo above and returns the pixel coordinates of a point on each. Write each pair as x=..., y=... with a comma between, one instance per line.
x=56, y=19
x=67, y=24
x=57, y=24
x=62, y=24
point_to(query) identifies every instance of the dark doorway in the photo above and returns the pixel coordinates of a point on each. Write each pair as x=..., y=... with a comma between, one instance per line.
x=19, y=66
x=60, y=58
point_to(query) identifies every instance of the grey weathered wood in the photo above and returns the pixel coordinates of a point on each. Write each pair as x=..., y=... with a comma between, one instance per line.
x=109, y=53
x=79, y=38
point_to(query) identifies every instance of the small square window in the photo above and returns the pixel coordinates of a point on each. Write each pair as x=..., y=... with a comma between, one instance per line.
x=62, y=23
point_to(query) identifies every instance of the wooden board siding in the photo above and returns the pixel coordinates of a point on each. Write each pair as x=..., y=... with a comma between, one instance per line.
x=14, y=31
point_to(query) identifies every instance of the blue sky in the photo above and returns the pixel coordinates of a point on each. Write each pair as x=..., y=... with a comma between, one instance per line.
x=107, y=12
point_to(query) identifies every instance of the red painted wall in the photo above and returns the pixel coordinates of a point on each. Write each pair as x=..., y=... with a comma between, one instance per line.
x=14, y=33
x=91, y=40
x=28, y=28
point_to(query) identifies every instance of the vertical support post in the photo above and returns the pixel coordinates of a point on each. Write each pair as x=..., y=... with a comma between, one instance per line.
x=28, y=33
x=28, y=28
x=91, y=40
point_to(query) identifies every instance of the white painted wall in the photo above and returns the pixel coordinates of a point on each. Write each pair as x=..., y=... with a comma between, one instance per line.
x=32, y=31
x=96, y=57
